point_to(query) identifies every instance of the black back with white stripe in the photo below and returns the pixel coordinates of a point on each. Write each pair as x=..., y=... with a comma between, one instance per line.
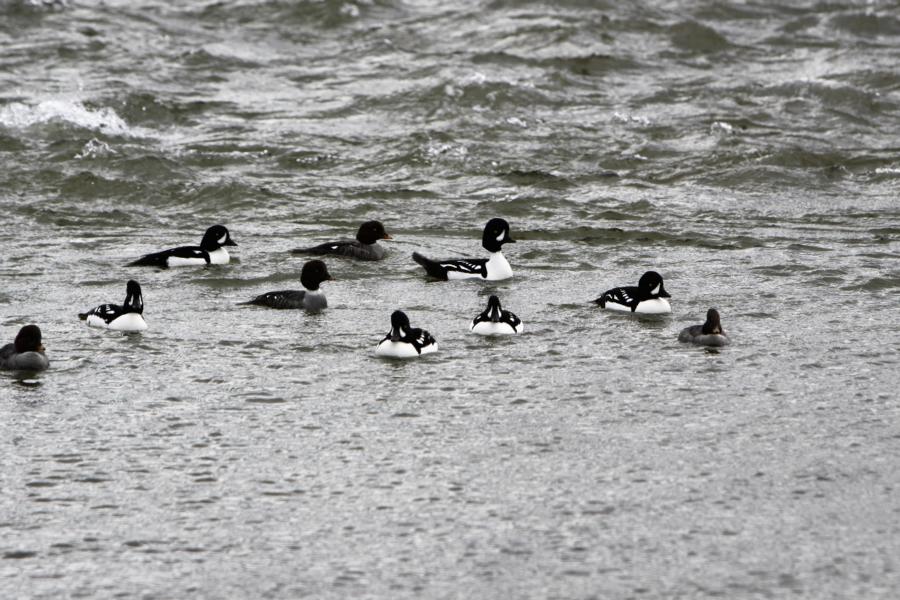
x=649, y=287
x=134, y=303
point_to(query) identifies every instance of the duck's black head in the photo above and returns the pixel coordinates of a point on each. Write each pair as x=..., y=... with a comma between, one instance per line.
x=314, y=273
x=713, y=324
x=496, y=233
x=216, y=237
x=399, y=325
x=494, y=308
x=134, y=301
x=652, y=283
x=29, y=339
x=372, y=231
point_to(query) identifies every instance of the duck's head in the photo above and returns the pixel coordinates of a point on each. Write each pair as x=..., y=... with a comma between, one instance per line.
x=134, y=301
x=372, y=231
x=216, y=237
x=652, y=283
x=496, y=233
x=713, y=324
x=313, y=274
x=29, y=339
x=399, y=325
x=494, y=308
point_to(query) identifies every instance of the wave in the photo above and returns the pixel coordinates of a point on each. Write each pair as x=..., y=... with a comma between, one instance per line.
x=19, y=115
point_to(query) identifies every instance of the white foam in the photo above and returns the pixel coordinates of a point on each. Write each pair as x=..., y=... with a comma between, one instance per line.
x=21, y=115
x=95, y=148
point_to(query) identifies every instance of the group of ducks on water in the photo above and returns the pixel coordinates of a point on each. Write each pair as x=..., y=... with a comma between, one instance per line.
x=403, y=340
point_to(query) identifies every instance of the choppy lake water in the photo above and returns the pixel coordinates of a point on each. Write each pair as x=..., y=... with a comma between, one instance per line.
x=747, y=151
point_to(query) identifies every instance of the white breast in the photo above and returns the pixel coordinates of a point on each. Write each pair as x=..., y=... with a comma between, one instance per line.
x=498, y=267
x=129, y=322
x=491, y=328
x=219, y=257
x=657, y=306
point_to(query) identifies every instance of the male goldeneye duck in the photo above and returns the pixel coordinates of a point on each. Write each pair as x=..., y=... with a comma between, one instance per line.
x=710, y=333
x=496, y=321
x=402, y=341
x=128, y=317
x=649, y=297
x=211, y=251
x=314, y=273
x=495, y=268
x=26, y=353
x=364, y=247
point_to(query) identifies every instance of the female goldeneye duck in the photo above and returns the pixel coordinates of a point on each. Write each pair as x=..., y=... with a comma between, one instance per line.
x=311, y=298
x=710, y=333
x=648, y=298
x=211, y=251
x=128, y=317
x=26, y=353
x=403, y=341
x=364, y=247
x=495, y=268
x=496, y=321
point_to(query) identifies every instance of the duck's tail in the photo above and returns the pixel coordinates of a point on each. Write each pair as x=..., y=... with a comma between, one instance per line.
x=431, y=267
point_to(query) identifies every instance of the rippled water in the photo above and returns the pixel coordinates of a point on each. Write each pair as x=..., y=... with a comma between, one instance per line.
x=747, y=151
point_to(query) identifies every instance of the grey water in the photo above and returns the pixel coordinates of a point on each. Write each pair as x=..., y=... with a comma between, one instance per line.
x=748, y=151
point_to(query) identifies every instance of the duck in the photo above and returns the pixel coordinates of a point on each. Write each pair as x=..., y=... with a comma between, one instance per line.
x=494, y=268
x=26, y=353
x=128, y=317
x=711, y=333
x=496, y=321
x=310, y=298
x=211, y=251
x=648, y=298
x=364, y=247
x=403, y=341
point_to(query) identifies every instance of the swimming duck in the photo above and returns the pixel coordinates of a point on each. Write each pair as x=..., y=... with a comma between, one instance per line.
x=26, y=353
x=128, y=317
x=310, y=298
x=496, y=321
x=364, y=247
x=494, y=268
x=402, y=341
x=649, y=297
x=211, y=251
x=710, y=333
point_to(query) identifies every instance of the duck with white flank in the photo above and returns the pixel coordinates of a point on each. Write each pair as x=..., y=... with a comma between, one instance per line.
x=26, y=353
x=648, y=298
x=310, y=298
x=402, y=341
x=496, y=321
x=211, y=251
x=128, y=317
x=364, y=247
x=710, y=333
x=495, y=268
